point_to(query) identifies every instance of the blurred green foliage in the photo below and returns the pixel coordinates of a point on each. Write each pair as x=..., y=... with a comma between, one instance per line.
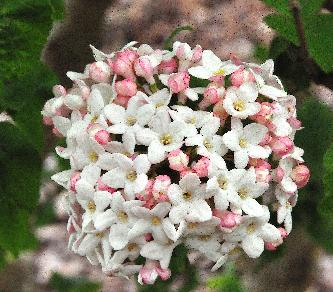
x=25, y=84
x=228, y=281
x=64, y=284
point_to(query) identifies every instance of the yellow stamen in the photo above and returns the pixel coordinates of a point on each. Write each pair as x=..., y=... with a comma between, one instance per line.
x=91, y=206
x=207, y=144
x=242, y=143
x=131, y=176
x=239, y=105
x=132, y=246
x=251, y=228
x=93, y=156
x=94, y=119
x=192, y=225
x=219, y=72
x=156, y=220
x=204, y=237
x=131, y=120
x=187, y=196
x=166, y=139
x=99, y=234
x=122, y=216
x=235, y=251
x=243, y=193
x=223, y=184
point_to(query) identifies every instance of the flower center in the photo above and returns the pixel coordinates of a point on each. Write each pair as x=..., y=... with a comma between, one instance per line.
x=192, y=225
x=235, y=251
x=204, y=237
x=94, y=119
x=223, y=184
x=131, y=176
x=219, y=72
x=288, y=205
x=91, y=206
x=156, y=220
x=159, y=104
x=99, y=234
x=239, y=105
x=192, y=120
x=242, y=143
x=251, y=228
x=93, y=156
x=207, y=144
x=131, y=120
x=187, y=196
x=132, y=246
x=243, y=193
x=122, y=216
x=166, y=139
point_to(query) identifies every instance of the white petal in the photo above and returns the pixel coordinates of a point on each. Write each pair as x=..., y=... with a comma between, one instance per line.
x=156, y=152
x=199, y=212
x=102, y=200
x=241, y=158
x=211, y=61
x=270, y=233
x=118, y=236
x=115, y=113
x=253, y=246
x=114, y=178
x=252, y=207
x=200, y=72
x=141, y=164
x=105, y=219
x=254, y=133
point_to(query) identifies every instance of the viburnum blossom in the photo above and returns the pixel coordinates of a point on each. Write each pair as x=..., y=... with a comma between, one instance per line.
x=175, y=147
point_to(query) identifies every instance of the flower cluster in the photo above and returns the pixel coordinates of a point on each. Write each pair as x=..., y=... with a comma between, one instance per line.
x=170, y=147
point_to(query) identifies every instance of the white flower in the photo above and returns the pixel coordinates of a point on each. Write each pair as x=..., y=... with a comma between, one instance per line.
x=221, y=183
x=247, y=190
x=287, y=184
x=159, y=251
x=162, y=137
x=209, y=144
x=208, y=244
x=244, y=142
x=212, y=66
x=93, y=203
x=230, y=251
x=159, y=100
x=254, y=232
x=150, y=221
x=240, y=102
x=188, y=200
x=286, y=204
x=193, y=119
x=129, y=174
x=120, y=218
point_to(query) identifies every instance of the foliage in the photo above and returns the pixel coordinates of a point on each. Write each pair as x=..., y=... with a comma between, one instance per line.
x=24, y=86
x=64, y=284
x=317, y=28
x=169, y=40
x=228, y=281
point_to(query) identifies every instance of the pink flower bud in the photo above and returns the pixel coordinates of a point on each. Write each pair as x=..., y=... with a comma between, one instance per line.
x=201, y=167
x=266, y=140
x=183, y=51
x=102, y=137
x=126, y=87
x=178, y=160
x=278, y=174
x=143, y=68
x=270, y=246
x=160, y=187
x=56, y=132
x=99, y=72
x=179, y=81
x=196, y=54
x=103, y=187
x=148, y=237
x=147, y=195
x=220, y=112
x=123, y=64
x=185, y=172
x=47, y=121
x=228, y=219
x=121, y=100
x=264, y=114
x=300, y=175
x=211, y=94
x=59, y=90
x=283, y=232
x=281, y=145
x=164, y=274
x=262, y=174
x=295, y=123
x=240, y=76
x=168, y=66
x=73, y=180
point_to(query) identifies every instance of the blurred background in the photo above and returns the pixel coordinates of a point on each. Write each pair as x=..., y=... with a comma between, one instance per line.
x=40, y=40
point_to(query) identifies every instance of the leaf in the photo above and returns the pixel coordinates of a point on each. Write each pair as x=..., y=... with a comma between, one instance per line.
x=281, y=6
x=278, y=46
x=227, y=281
x=20, y=169
x=285, y=25
x=168, y=41
x=64, y=284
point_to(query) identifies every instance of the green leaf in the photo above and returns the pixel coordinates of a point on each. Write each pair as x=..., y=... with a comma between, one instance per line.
x=281, y=6
x=178, y=30
x=285, y=25
x=228, y=281
x=63, y=284
x=20, y=169
x=278, y=46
